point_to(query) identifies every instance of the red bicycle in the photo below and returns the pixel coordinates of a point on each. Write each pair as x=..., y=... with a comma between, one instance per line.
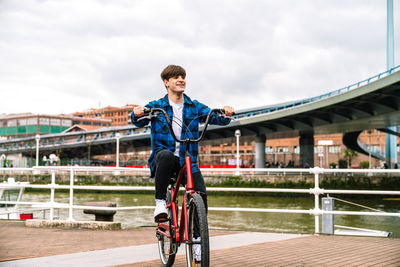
x=193, y=220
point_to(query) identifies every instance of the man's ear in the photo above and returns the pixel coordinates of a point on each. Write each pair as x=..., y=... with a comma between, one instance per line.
x=166, y=83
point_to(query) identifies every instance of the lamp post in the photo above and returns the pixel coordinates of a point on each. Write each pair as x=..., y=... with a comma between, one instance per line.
x=37, y=138
x=2, y=158
x=369, y=150
x=237, y=134
x=117, y=136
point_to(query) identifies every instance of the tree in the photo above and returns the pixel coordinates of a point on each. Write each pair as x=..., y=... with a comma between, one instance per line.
x=349, y=154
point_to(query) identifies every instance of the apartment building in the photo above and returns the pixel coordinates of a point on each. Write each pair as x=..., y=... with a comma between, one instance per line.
x=119, y=116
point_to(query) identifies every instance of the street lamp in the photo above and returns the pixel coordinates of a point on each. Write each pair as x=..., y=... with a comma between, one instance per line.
x=237, y=134
x=2, y=158
x=37, y=138
x=369, y=150
x=117, y=136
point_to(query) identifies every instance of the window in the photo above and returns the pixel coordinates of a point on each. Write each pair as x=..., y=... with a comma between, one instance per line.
x=334, y=149
x=296, y=150
x=55, y=122
x=283, y=149
x=268, y=149
x=318, y=149
x=31, y=121
x=44, y=121
x=12, y=123
x=67, y=123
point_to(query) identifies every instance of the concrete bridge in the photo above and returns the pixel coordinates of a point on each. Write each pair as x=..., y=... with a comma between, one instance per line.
x=373, y=103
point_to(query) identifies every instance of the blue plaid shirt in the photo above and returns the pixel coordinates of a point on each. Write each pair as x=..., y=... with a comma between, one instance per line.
x=193, y=114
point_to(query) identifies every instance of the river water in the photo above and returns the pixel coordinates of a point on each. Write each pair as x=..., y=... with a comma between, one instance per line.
x=272, y=222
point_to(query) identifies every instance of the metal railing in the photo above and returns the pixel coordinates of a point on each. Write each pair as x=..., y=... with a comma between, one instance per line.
x=316, y=190
x=293, y=104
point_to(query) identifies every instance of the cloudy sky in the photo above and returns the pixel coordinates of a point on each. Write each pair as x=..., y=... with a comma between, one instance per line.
x=63, y=56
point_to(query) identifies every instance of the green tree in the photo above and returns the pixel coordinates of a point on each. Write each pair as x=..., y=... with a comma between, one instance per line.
x=349, y=154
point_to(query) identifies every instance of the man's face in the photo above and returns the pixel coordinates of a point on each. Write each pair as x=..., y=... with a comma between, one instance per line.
x=175, y=84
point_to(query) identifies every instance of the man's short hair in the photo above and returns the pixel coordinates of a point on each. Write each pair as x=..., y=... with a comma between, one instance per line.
x=173, y=71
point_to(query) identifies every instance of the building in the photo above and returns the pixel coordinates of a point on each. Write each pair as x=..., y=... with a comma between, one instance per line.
x=28, y=124
x=285, y=152
x=118, y=116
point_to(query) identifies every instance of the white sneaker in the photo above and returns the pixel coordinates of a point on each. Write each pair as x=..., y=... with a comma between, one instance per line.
x=161, y=211
x=197, y=249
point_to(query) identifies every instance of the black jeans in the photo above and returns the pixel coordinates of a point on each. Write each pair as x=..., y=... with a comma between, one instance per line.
x=167, y=167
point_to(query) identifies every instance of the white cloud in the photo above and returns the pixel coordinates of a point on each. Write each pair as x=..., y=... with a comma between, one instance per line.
x=66, y=56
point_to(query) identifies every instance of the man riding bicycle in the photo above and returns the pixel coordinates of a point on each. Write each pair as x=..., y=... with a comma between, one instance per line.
x=167, y=155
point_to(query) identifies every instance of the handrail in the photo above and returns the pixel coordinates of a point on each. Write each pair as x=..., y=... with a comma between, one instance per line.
x=318, y=98
x=316, y=191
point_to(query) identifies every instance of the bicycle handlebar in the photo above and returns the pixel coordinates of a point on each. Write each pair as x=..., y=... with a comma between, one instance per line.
x=154, y=112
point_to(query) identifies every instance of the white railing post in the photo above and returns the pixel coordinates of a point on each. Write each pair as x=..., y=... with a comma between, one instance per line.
x=53, y=183
x=316, y=202
x=316, y=191
x=71, y=194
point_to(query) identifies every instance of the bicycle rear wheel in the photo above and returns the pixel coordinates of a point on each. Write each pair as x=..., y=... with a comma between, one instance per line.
x=167, y=246
x=198, y=227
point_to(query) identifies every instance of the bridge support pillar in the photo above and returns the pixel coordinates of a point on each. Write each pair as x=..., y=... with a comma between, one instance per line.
x=260, y=151
x=307, y=149
x=391, y=148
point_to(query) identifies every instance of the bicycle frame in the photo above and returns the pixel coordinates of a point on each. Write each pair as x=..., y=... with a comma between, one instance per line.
x=181, y=229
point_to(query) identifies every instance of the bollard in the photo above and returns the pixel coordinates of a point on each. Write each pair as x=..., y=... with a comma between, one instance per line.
x=327, y=219
x=101, y=215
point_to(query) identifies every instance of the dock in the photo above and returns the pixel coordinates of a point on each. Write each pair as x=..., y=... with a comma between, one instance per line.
x=24, y=246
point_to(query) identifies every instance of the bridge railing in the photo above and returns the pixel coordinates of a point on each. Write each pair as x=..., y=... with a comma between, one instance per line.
x=320, y=97
x=316, y=191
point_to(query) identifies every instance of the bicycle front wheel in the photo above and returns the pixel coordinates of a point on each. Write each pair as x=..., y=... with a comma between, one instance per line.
x=197, y=247
x=167, y=246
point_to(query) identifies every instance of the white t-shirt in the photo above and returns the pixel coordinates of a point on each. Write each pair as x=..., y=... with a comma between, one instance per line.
x=177, y=123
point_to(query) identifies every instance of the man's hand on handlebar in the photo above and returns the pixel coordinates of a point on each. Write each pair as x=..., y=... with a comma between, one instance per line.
x=229, y=111
x=138, y=111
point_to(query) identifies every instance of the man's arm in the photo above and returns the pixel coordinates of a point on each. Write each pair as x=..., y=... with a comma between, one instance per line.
x=215, y=119
x=138, y=112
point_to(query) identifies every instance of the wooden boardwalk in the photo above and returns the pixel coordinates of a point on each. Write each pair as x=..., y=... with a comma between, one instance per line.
x=20, y=246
